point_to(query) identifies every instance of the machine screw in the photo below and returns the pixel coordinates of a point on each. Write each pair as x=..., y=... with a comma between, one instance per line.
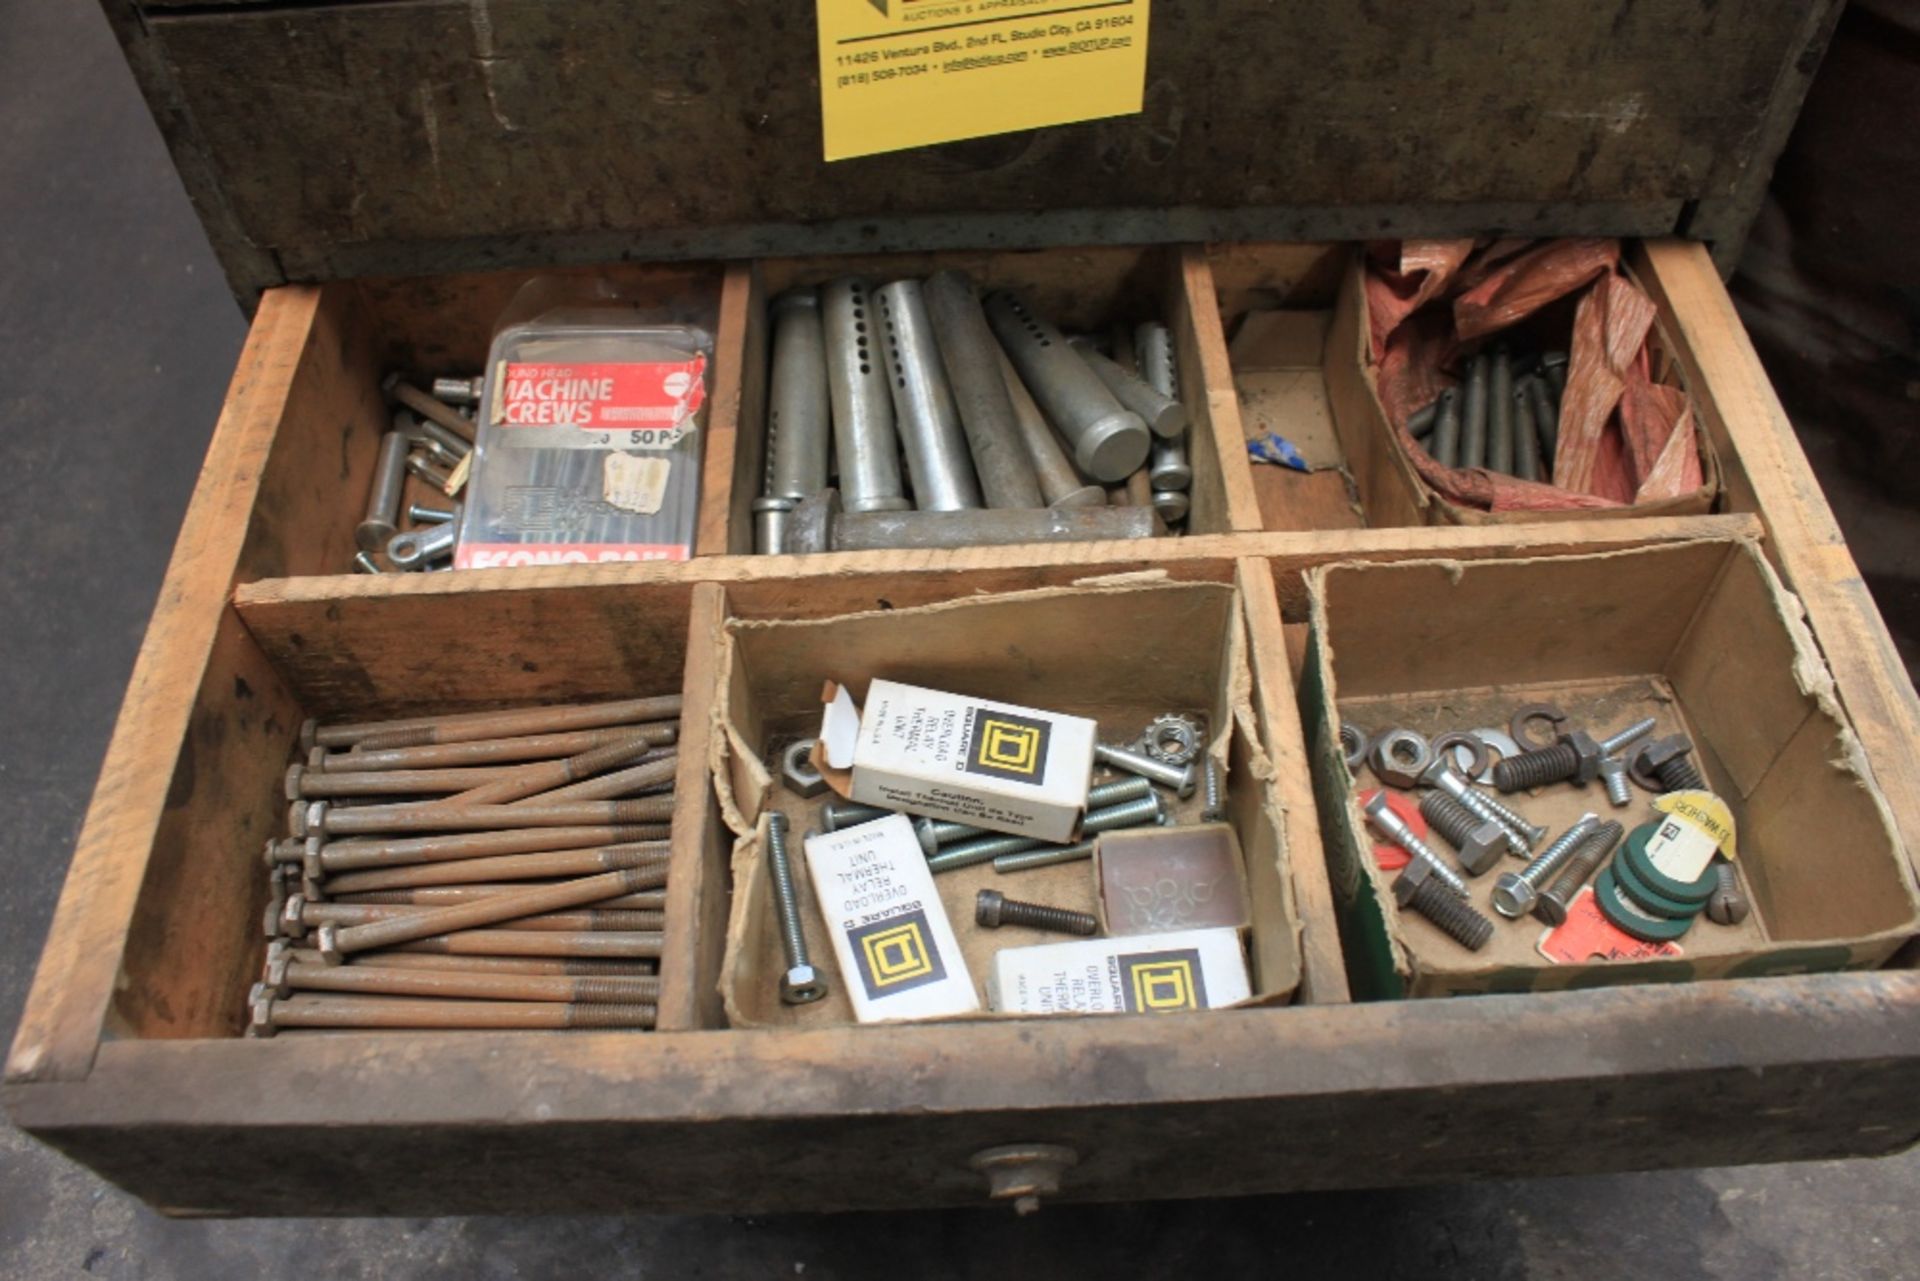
x=1593, y=851
x=1136, y=813
x=839, y=814
x=1516, y=892
x=1395, y=829
x=1729, y=903
x=801, y=983
x=1181, y=778
x=1420, y=888
x=1214, y=788
x=992, y=909
x=1048, y=856
x=1479, y=841
x=1522, y=836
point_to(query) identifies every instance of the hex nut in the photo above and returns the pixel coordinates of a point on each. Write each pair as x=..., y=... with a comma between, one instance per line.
x=1588, y=752
x=797, y=771
x=1513, y=896
x=801, y=985
x=1399, y=757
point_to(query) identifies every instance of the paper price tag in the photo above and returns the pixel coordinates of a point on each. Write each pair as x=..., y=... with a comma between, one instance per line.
x=1587, y=936
x=1698, y=826
x=908, y=73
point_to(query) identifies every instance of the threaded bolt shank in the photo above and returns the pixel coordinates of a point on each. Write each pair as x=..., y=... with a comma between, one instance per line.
x=1578, y=869
x=1460, y=921
x=1536, y=768
x=792, y=939
x=992, y=909
x=1679, y=775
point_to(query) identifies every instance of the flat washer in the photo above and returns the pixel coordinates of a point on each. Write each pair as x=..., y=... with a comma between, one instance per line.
x=1650, y=900
x=1500, y=741
x=1635, y=848
x=1629, y=919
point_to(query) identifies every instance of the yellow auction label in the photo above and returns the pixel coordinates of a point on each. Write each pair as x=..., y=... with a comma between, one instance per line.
x=908, y=73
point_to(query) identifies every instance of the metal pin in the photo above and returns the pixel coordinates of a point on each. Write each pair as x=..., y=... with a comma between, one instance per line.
x=1500, y=413
x=383, y=495
x=1109, y=442
x=971, y=357
x=864, y=440
x=923, y=406
x=1473, y=433
x=799, y=425
x=1061, y=483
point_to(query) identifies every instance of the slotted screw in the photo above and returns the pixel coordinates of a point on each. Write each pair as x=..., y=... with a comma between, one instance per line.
x=1729, y=903
x=992, y=909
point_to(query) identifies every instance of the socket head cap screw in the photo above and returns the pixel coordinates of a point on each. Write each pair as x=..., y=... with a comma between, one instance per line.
x=1588, y=751
x=797, y=771
x=1399, y=758
x=801, y=985
x=986, y=909
x=1513, y=896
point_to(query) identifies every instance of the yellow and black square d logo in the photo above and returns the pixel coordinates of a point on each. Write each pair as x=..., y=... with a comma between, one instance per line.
x=1162, y=982
x=896, y=955
x=1008, y=746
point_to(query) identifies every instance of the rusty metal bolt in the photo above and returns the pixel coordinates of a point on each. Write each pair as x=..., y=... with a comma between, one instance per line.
x=992, y=909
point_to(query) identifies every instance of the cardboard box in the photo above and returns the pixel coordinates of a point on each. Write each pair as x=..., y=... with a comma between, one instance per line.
x=897, y=952
x=1701, y=636
x=1137, y=974
x=970, y=760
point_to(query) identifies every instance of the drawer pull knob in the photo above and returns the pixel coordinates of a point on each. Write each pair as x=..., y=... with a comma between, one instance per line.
x=1023, y=1172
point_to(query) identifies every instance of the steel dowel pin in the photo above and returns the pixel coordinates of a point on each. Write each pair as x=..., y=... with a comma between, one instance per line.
x=383, y=495
x=799, y=422
x=1061, y=483
x=622, y=944
x=315, y=913
x=487, y=751
x=427, y=407
x=1163, y=415
x=1473, y=427
x=1109, y=441
x=971, y=357
x=924, y=412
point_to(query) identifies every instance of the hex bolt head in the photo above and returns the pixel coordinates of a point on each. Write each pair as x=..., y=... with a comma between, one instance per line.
x=292, y=921
x=260, y=1012
x=1513, y=896
x=797, y=771
x=327, y=939
x=1587, y=754
x=275, y=979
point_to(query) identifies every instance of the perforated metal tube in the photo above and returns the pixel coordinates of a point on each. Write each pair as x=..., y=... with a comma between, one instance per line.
x=864, y=442
x=798, y=423
x=923, y=408
x=1167, y=464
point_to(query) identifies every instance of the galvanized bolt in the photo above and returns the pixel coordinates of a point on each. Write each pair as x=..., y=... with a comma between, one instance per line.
x=992, y=909
x=1394, y=828
x=1516, y=892
x=1522, y=836
x=801, y=983
x=1729, y=903
x=1213, y=787
x=1585, y=861
x=1421, y=888
x=1181, y=778
x=839, y=814
x=1480, y=842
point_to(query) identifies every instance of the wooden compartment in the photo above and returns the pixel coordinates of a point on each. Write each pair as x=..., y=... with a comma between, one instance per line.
x=1076, y=288
x=1294, y=316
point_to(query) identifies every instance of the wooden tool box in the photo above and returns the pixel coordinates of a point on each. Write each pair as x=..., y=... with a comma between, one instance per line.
x=377, y=179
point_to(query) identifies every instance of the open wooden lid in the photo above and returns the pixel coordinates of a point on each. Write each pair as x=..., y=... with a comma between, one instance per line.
x=426, y=136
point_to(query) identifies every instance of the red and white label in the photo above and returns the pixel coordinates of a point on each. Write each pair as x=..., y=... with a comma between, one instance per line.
x=1587, y=936
x=647, y=403
x=499, y=555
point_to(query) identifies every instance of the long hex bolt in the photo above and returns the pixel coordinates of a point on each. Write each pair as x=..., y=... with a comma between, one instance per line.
x=865, y=442
x=1111, y=818
x=431, y=816
x=1182, y=779
x=288, y=976
x=459, y=391
x=271, y=1013
x=467, y=727
x=799, y=422
x=972, y=357
x=1421, y=888
x=924, y=411
x=1394, y=828
x=801, y=983
x=992, y=909
x=1729, y=903
x=1109, y=441
x=1515, y=893
x=841, y=814
x=1522, y=836
x=1576, y=871
x=1576, y=756
x=1480, y=842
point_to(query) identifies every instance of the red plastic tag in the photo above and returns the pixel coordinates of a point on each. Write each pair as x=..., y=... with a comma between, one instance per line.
x=643, y=398
x=1387, y=856
x=496, y=555
x=1587, y=936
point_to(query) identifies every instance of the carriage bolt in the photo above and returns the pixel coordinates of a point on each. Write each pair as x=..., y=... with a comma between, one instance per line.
x=1444, y=447
x=992, y=909
x=1473, y=426
x=1061, y=483
x=1162, y=414
x=1182, y=779
x=383, y=496
x=799, y=425
x=459, y=391
x=1500, y=412
x=1213, y=786
x=431, y=515
x=365, y=564
x=1522, y=836
x=1480, y=842
x=923, y=405
x=1047, y=856
x=1546, y=417
x=1171, y=504
x=864, y=439
x=1390, y=825
x=1421, y=888
x=1109, y=441
x=1147, y=810
x=1729, y=903
x=770, y=518
x=1575, y=872
x=1515, y=893
x=839, y=814
x=802, y=983
x=971, y=356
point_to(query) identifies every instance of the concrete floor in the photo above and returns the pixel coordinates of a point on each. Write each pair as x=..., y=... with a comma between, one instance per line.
x=116, y=341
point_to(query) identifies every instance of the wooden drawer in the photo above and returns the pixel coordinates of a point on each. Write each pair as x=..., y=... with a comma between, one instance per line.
x=128, y=1056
